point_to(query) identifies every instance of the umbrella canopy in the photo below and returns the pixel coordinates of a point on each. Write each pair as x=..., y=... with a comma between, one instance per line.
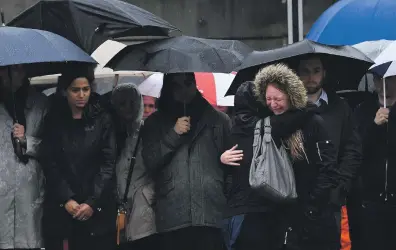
x=212, y=86
x=371, y=49
x=345, y=65
x=182, y=54
x=41, y=52
x=349, y=22
x=88, y=23
x=383, y=53
x=385, y=63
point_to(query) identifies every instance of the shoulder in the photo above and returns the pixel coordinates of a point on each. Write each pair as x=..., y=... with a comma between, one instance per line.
x=222, y=116
x=339, y=103
x=153, y=118
x=37, y=100
x=314, y=124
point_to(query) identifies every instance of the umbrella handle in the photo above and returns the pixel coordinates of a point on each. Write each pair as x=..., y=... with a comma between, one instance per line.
x=384, y=89
x=116, y=78
x=2, y=18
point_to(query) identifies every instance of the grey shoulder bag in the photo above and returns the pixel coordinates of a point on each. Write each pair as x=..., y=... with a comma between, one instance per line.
x=271, y=172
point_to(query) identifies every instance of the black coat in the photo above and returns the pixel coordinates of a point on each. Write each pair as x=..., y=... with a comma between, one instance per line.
x=241, y=198
x=316, y=173
x=78, y=157
x=379, y=147
x=341, y=127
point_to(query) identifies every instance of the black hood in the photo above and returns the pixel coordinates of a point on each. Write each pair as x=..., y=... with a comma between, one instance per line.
x=248, y=110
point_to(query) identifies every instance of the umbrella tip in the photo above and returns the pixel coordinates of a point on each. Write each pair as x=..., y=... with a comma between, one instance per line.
x=2, y=18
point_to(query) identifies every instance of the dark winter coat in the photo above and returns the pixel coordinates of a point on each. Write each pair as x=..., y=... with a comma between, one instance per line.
x=188, y=174
x=379, y=153
x=341, y=126
x=78, y=158
x=241, y=199
x=312, y=220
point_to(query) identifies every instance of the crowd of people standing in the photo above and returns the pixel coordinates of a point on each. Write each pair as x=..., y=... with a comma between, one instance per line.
x=181, y=173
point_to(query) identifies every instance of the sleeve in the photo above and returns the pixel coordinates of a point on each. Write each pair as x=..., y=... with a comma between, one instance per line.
x=369, y=132
x=158, y=147
x=283, y=125
x=49, y=155
x=33, y=140
x=104, y=178
x=326, y=162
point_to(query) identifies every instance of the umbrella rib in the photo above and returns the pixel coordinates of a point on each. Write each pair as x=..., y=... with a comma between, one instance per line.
x=221, y=59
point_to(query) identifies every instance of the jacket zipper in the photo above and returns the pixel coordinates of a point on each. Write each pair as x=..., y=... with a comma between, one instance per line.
x=302, y=147
x=320, y=156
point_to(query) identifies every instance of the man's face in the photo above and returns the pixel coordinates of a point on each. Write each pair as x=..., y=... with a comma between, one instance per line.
x=184, y=88
x=390, y=90
x=312, y=74
x=126, y=105
x=149, y=106
x=18, y=75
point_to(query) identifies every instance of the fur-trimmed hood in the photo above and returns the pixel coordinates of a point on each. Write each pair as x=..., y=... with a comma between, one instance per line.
x=289, y=83
x=286, y=80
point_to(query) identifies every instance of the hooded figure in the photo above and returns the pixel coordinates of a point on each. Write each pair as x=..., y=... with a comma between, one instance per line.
x=182, y=144
x=21, y=180
x=127, y=103
x=313, y=225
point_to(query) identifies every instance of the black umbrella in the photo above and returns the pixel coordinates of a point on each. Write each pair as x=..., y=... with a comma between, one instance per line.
x=345, y=65
x=88, y=23
x=182, y=54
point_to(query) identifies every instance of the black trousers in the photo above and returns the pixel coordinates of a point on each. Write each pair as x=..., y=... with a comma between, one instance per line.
x=148, y=243
x=82, y=242
x=261, y=231
x=378, y=221
x=314, y=230
x=192, y=238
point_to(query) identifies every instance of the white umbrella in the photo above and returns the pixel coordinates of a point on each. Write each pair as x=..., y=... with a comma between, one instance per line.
x=383, y=53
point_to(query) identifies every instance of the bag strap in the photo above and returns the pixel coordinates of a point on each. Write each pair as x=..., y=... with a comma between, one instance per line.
x=265, y=129
x=132, y=165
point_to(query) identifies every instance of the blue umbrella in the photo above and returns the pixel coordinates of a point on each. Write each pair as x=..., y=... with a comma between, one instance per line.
x=41, y=52
x=349, y=22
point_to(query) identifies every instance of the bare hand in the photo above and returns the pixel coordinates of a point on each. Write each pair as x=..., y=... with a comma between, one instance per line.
x=232, y=156
x=18, y=131
x=382, y=116
x=182, y=125
x=84, y=213
x=72, y=207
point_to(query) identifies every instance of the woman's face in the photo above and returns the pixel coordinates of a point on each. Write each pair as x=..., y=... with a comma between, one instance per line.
x=277, y=101
x=78, y=93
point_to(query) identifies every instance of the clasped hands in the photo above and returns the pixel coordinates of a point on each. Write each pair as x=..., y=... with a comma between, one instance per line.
x=81, y=212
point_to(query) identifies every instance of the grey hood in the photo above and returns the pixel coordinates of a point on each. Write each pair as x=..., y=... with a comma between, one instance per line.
x=129, y=92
